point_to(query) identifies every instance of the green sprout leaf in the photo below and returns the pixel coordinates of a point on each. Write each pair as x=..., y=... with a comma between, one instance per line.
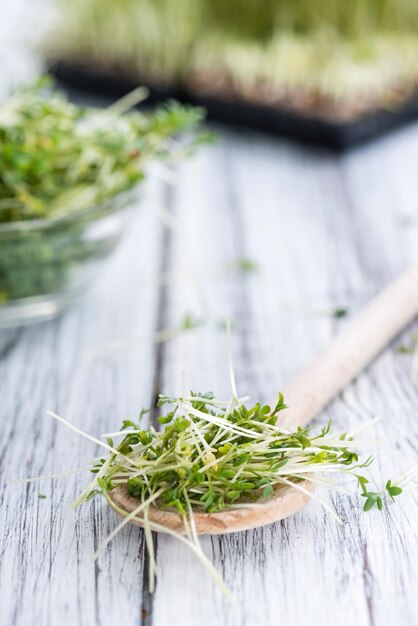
x=247, y=265
x=370, y=503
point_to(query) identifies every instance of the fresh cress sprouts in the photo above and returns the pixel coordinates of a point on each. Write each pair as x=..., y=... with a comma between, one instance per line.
x=56, y=156
x=212, y=455
x=65, y=168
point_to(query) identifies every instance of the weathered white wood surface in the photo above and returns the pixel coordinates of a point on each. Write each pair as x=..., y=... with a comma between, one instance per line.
x=326, y=232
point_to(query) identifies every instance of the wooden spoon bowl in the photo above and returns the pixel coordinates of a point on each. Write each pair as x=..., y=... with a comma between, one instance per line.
x=284, y=502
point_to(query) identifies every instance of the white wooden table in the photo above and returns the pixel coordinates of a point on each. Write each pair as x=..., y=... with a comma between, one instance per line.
x=326, y=232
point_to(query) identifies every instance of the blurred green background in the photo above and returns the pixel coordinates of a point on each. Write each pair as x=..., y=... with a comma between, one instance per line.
x=340, y=58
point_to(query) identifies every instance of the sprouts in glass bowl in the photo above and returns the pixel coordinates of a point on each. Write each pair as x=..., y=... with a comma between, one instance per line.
x=44, y=263
x=66, y=175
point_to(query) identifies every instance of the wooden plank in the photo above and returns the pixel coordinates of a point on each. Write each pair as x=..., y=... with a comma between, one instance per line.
x=324, y=238
x=46, y=570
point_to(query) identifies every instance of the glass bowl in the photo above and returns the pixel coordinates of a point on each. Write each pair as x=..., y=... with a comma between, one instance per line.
x=44, y=263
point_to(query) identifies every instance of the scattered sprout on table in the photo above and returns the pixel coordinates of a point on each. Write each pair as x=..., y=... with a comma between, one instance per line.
x=339, y=312
x=187, y=322
x=410, y=348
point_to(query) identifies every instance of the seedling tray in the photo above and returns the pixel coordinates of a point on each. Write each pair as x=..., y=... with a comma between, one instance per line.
x=280, y=121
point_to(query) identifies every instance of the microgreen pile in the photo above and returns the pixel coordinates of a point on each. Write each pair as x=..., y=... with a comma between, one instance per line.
x=213, y=455
x=208, y=456
x=57, y=157
x=63, y=168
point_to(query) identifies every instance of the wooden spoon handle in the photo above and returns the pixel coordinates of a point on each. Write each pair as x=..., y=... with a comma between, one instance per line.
x=360, y=341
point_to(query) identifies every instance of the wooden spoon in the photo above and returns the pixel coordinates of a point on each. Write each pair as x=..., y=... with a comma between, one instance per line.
x=309, y=392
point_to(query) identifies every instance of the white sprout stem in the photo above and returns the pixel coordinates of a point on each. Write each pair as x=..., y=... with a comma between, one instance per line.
x=344, y=443
x=313, y=496
x=186, y=525
x=121, y=433
x=218, y=403
x=196, y=445
x=216, y=577
x=414, y=367
x=200, y=437
x=333, y=467
x=93, y=484
x=126, y=520
x=230, y=359
x=219, y=421
x=218, y=436
x=35, y=479
x=407, y=477
x=183, y=382
x=152, y=568
x=325, y=481
x=192, y=521
x=172, y=224
x=238, y=473
x=172, y=277
x=364, y=426
x=89, y=437
x=165, y=174
x=247, y=505
x=131, y=342
x=273, y=427
x=127, y=102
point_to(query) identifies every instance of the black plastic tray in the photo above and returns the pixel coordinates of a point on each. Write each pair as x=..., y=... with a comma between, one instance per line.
x=280, y=121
